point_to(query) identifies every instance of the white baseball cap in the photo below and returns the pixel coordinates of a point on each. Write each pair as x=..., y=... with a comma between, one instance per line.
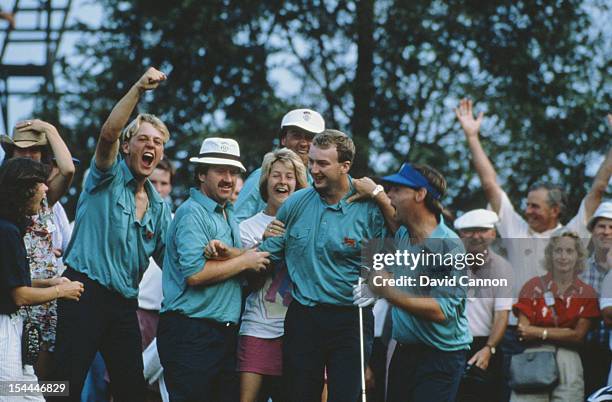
x=219, y=151
x=477, y=218
x=305, y=119
x=603, y=211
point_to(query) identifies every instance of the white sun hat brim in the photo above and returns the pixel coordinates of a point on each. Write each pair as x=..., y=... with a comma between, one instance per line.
x=218, y=161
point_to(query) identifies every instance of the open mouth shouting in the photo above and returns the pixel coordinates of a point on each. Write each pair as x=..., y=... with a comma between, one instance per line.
x=147, y=159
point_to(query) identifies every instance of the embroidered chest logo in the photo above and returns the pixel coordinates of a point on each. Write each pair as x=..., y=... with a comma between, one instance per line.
x=350, y=242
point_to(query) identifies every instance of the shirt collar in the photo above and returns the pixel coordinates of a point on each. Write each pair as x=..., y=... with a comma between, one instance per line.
x=130, y=180
x=341, y=206
x=208, y=203
x=574, y=287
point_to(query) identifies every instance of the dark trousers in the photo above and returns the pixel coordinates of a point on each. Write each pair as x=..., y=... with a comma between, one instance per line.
x=596, y=363
x=324, y=337
x=471, y=391
x=420, y=373
x=510, y=346
x=103, y=321
x=378, y=365
x=198, y=357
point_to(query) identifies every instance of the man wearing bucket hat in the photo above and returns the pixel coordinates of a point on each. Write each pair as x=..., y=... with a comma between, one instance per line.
x=120, y=222
x=487, y=307
x=197, y=330
x=430, y=328
x=298, y=127
x=596, y=352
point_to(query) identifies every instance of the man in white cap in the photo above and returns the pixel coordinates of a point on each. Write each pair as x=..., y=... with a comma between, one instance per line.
x=487, y=307
x=298, y=128
x=120, y=222
x=197, y=331
x=596, y=353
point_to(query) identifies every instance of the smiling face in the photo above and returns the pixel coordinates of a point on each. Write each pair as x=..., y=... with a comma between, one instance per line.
x=35, y=203
x=602, y=233
x=327, y=173
x=564, y=255
x=218, y=182
x=281, y=183
x=539, y=214
x=298, y=141
x=144, y=150
x=477, y=240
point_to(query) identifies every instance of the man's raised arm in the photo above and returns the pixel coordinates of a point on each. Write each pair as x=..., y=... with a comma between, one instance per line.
x=108, y=143
x=484, y=167
x=600, y=183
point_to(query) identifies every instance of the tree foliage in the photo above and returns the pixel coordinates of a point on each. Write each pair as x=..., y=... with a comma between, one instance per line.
x=388, y=72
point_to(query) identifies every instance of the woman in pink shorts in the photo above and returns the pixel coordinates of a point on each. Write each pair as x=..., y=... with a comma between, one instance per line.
x=262, y=327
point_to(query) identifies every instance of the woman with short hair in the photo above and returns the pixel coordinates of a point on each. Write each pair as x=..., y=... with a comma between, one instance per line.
x=261, y=329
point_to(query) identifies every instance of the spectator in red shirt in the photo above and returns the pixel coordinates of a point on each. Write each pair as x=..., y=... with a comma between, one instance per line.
x=555, y=311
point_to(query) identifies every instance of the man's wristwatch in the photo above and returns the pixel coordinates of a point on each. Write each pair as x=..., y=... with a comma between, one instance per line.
x=377, y=190
x=491, y=348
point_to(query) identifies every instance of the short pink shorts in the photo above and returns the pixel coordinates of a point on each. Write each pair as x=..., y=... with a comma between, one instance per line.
x=261, y=356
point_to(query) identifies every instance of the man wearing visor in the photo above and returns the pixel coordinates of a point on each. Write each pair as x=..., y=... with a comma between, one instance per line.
x=429, y=323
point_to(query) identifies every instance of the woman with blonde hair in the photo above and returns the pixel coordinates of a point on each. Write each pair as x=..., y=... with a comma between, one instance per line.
x=261, y=330
x=554, y=314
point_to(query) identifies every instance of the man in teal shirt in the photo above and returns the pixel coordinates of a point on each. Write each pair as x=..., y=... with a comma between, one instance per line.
x=121, y=221
x=322, y=249
x=202, y=298
x=429, y=325
x=298, y=127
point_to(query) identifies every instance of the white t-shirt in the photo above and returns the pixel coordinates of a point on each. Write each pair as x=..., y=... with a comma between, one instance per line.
x=482, y=303
x=150, y=293
x=526, y=247
x=265, y=309
x=60, y=237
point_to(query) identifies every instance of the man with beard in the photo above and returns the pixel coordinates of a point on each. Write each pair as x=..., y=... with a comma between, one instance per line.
x=120, y=222
x=298, y=127
x=322, y=249
x=197, y=331
x=487, y=307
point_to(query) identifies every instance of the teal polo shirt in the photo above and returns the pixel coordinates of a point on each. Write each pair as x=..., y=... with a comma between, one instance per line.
x=322, y=245
x=453, y=334
x=196, y=222
x=108, y=243
x=249, y=200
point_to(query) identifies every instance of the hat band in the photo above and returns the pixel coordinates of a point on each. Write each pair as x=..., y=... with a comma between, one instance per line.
x=219, y=155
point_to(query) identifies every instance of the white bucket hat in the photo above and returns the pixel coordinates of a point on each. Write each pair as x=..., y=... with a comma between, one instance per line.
x=219, y=151
x=477, y=218
x=305, y=119
x=603, y=211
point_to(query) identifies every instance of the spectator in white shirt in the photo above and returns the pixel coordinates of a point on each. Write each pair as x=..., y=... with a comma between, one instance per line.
x=487, y=308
